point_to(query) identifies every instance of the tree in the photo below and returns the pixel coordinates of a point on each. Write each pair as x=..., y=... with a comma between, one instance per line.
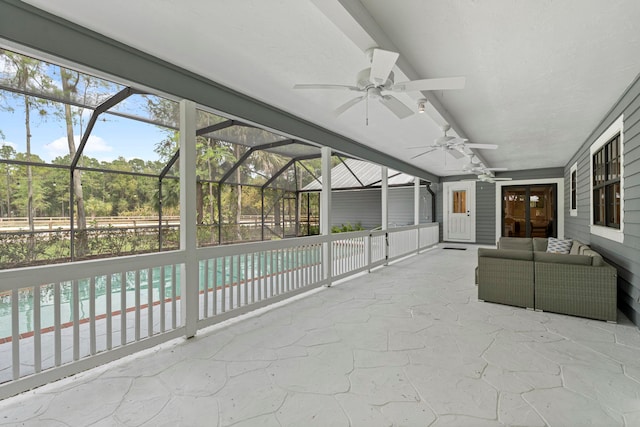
x=56, y=188
x=268, y=164
x=7, y=152
x=28, y=77
x=70, y=80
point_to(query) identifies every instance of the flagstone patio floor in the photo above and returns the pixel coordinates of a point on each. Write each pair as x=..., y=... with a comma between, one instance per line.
x=406, y=345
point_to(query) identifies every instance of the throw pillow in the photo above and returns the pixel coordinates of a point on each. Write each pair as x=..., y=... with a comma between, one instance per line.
x=559, y=246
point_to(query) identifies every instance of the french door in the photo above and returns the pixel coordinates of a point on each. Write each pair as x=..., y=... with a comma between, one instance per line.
x=529, y=211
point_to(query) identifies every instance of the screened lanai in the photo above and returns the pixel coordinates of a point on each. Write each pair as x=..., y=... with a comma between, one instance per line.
x=91, y=170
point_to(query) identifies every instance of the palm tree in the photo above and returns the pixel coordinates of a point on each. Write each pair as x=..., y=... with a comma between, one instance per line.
x=268, y=164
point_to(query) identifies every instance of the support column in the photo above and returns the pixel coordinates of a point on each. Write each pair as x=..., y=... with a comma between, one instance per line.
x=384, y=177
x=384, y=182
x=416, y=201
x=416, y=210
x=325, y=213
x=189, y=285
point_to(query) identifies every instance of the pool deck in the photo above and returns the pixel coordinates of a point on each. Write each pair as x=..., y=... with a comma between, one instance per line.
x=407, y=345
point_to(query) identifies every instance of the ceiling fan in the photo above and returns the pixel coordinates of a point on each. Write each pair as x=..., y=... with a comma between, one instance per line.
x=453, y=145
x=490, y=178
x=474, y=166
x=372, y=82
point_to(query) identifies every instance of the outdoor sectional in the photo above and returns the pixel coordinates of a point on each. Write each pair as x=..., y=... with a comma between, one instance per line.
x=521, y=273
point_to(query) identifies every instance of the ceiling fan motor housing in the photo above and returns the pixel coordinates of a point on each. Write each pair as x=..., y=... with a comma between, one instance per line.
x=363, y=81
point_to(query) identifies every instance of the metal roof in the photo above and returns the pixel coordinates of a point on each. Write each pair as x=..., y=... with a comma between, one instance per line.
x=353, y=173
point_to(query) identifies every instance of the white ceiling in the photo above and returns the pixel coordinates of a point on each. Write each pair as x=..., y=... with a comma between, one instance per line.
x=541, y=74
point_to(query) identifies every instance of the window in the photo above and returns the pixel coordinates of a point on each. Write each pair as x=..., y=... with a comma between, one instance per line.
x=460, y=201
x=607, y=183
x=573, y=202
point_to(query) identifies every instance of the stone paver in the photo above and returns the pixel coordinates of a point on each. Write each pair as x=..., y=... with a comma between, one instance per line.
x=407, y=345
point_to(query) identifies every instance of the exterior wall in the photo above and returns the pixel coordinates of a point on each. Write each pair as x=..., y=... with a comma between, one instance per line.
x=485, y=213
x=439, y=207
x=401, y=208
x=626, y=255
x=364, y=207
x=352, y=207
x=486, y=200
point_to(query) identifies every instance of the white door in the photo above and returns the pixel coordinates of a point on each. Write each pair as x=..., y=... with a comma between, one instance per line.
x=459, y=216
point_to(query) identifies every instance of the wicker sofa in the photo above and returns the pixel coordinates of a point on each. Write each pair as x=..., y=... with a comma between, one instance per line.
x=521, y=273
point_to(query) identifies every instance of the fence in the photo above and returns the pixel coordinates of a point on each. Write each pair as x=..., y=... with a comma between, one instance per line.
x=57, y=320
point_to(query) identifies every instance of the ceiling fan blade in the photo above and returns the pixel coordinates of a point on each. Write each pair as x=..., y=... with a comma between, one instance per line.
x=481, y=146
x=323, y=86
x=496, y=169
x=445, y=83
x=422, y=146
x=502, y=179
x=344, y=107
x=455, y=153
x=396, y=107
x=382, y=63
x=425, y=152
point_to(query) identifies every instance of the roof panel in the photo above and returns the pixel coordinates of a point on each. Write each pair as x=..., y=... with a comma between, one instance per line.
x=344, y=174
x=245, y=135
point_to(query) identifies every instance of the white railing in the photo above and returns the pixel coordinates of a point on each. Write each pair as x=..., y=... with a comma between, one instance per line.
x=238, y=278
x=57, y=320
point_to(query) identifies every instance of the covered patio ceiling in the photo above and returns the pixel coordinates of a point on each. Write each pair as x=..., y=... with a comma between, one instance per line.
x=540, y=75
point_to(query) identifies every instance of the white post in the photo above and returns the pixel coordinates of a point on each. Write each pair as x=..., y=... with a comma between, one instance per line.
x=384, y=181
x=189, y=285
x=416, y=210
x=325, y=213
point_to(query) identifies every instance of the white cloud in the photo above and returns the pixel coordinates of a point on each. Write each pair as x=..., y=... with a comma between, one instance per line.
x=95, y=146
x=10, y=144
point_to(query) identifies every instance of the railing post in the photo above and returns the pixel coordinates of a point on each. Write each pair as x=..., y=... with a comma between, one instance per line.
x=189, y=277
x=368, y=252
x=325, y=214
x=384, y=181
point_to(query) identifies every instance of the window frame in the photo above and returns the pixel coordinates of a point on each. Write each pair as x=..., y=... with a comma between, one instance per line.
x=573, y=190
x=599, y=147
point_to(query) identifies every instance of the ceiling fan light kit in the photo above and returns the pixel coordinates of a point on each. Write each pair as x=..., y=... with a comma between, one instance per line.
x=422, y=103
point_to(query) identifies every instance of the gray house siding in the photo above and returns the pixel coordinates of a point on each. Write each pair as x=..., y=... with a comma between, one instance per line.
x=364, y=207
x=485, y=213
x=353, y=207
x=486, y=200
x=533, y=174
x=437, y=188
x=401, y=207
x=625, y=256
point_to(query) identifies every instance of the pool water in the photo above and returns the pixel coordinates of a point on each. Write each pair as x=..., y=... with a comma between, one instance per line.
x=224, y=270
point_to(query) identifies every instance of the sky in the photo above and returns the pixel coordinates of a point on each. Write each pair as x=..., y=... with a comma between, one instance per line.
x=111, y=138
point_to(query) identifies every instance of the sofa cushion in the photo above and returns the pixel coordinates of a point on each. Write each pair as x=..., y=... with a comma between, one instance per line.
x=558, y=246
x=596, y=258
x=517, y=243
x=575, y=247
x=506, y=254
x=540, y=244
x=554, y=258
x=584, y=248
